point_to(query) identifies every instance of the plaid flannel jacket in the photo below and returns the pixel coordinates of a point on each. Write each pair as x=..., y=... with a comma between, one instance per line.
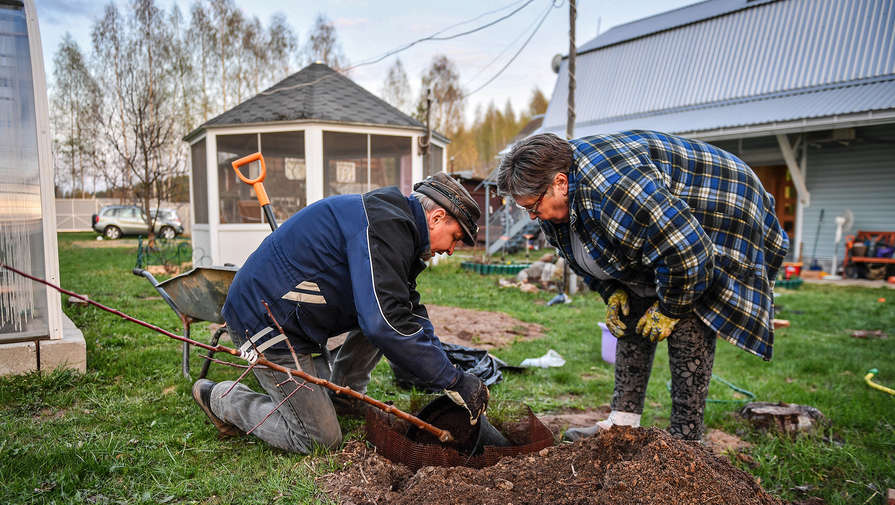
x=681, y=215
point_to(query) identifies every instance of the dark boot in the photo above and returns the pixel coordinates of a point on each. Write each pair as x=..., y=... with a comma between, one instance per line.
x=202, y=394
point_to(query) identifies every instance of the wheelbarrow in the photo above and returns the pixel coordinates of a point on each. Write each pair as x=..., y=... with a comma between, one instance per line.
x=197, y=295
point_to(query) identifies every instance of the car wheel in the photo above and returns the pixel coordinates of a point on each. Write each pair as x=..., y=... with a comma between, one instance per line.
x=112, y=232
x=167, y=232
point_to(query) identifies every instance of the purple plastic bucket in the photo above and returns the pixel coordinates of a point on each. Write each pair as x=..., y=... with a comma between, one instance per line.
x=607, y=344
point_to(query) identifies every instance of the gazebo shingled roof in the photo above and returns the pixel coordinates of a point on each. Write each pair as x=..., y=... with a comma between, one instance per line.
x=316, y=92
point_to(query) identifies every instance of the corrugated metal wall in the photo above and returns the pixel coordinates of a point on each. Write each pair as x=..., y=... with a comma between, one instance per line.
x=772, y=47
x=860, y=177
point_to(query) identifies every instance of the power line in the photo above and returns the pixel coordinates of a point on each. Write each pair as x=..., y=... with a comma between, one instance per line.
x=502, y=52
x=449, y=37
x=433, y=37
x=541, y=22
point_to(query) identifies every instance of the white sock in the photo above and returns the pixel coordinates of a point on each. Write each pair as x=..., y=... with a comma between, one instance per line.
x=618, y=418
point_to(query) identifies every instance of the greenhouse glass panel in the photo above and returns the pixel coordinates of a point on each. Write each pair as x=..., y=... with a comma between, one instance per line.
x=23, y=303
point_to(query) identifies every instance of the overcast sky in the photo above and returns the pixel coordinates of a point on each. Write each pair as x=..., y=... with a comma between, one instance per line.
x=370, y=28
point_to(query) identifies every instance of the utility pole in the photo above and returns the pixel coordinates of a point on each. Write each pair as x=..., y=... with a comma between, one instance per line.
x=570, y=123
x=425, y=144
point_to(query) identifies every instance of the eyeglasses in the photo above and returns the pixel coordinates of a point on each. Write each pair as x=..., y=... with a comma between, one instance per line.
x=533, y=208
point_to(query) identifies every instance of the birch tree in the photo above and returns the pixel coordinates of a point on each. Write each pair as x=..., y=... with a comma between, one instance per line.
x=323, y=45
x=282, y=46
x=443, y=78
x=74, y=104
x=396, y=88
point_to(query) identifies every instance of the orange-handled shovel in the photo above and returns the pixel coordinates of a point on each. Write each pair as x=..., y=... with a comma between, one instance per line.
x=258, y=185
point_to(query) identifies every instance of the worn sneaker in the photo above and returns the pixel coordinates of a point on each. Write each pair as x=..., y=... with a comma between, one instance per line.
x=616, y=418
x=202, y=394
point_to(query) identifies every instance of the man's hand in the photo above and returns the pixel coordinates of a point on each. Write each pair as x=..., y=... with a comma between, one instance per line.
x=655, y=325
x=617, y=305
x=470, y=393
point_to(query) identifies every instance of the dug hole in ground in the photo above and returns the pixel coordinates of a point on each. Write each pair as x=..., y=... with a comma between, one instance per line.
x=621, y=466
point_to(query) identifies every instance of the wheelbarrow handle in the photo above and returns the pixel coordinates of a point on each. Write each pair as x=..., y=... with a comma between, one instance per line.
x=257, y=183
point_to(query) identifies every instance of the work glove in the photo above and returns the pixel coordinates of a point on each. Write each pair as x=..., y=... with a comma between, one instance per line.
x=617, y=306
x=656, y=325
x=470, y=393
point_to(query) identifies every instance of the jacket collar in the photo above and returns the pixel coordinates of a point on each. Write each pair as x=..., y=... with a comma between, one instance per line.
x=419, y=218
x=574, y=181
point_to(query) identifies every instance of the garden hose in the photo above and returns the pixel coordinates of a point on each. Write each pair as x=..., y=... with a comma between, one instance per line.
x=869, y=380
x=749, y=394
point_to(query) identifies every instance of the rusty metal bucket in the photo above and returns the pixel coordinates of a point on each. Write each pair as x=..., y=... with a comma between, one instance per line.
x=196, y=295
x=392, y=439
x=472, y=439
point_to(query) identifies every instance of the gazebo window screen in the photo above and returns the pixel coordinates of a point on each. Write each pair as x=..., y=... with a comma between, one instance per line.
x=360, y=162
x=23, y=303
x=433, y=161
x=285, y=182
x=200, y=182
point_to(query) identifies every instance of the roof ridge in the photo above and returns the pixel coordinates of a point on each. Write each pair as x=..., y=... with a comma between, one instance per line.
x=733, y=101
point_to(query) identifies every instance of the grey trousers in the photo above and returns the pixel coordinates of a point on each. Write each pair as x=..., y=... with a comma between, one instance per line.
x=691, y=355
x=307, y=419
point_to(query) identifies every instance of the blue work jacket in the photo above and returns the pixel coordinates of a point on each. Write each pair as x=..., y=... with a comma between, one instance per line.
x=344, y=262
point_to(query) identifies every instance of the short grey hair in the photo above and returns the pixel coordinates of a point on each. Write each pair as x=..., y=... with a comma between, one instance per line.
x=530, y=166
x=429, y=204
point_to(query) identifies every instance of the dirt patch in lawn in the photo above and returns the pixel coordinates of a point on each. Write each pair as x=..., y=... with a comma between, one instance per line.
x=721, y=442
x=473, y=328
x=480, y=329
x=622, y=465
x=103, y=244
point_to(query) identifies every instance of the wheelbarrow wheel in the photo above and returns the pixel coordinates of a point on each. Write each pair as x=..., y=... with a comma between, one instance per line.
x=214, y=341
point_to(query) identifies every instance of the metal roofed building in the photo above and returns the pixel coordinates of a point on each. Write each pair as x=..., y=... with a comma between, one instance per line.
x=321, y=134
x=802, y=90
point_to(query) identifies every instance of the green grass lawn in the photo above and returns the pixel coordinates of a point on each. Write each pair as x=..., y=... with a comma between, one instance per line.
x=128, y=430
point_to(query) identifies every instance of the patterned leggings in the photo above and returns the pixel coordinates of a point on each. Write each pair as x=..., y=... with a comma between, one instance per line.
x=691, y=354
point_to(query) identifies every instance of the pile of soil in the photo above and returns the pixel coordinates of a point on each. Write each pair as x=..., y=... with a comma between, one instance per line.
x=623, y=465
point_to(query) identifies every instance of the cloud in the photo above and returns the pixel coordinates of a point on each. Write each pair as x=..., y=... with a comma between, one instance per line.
x=350, y=22
x=63, y=11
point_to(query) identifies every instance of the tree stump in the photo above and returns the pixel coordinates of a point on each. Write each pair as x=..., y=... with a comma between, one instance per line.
x=783, y=417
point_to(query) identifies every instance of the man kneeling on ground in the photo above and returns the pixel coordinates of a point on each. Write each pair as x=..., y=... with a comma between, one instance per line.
x=345, y=263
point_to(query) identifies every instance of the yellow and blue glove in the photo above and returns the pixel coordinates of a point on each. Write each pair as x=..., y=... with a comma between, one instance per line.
x=655, y=325
x=617, y=305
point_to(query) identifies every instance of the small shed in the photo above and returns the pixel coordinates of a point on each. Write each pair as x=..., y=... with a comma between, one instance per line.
x=480, y=193
x=321, y=134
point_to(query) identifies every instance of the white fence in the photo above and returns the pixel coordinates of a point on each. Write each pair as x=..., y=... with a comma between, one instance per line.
x=76, y=214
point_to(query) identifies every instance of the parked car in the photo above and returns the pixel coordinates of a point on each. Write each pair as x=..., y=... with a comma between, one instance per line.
x=114, y=221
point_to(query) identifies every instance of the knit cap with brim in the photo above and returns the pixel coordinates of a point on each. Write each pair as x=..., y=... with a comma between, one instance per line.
x=455, y=199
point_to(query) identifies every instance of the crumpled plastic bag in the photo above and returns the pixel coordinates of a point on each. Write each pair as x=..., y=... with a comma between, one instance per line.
x=478, y=362
x=551, y=359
